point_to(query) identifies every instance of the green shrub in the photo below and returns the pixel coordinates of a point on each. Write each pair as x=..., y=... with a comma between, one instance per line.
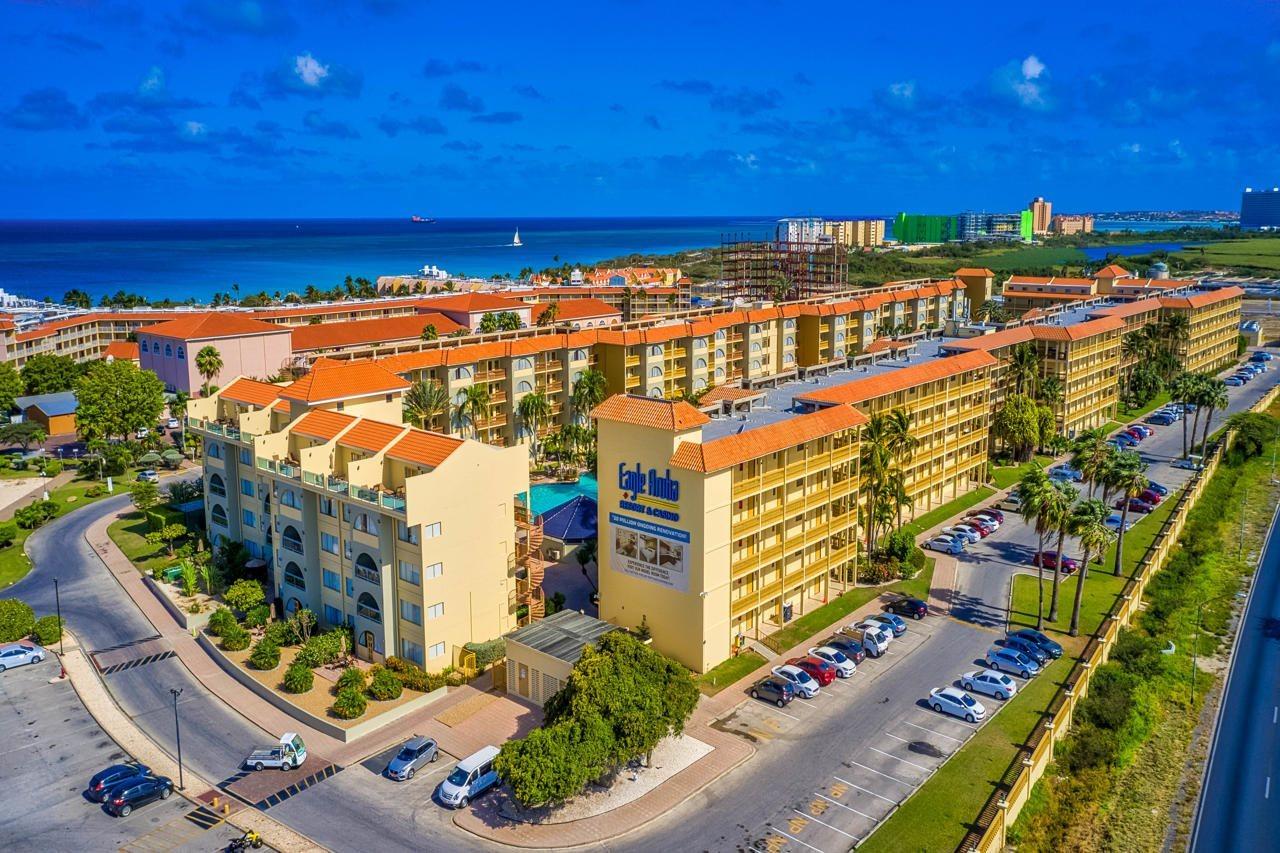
x=20, y=465
x=349, y=704
x=244, y=595
x=324, y=649
x=8, y=533
x=97, y=490
x=258, y=617
x=384, y=685
x=298, y=678
x=47, y=631
x=899, y=544
x=195, y=607
x=352, y=678
x=220, y=622
x=53, y=467
x=265, y=655
x=455, y=679
x=16, y=620
x=35, y=514
x=236, y=639
x=280, y=633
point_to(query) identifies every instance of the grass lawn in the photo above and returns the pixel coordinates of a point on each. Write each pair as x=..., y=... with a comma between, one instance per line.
x=130, y=534
x=1005, y=476
x=727, y=672
x=1262, y=254
x=11, y=474
x=1156, y=402
x=942, y=513
x=1032, y=256
x=1111, y=426
x=937, y=816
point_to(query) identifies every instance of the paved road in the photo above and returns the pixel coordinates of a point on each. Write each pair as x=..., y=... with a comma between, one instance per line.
x=1240, y=802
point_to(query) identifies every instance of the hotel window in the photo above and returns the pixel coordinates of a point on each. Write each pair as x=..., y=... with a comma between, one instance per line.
x=655, y=373
x=437, y=649
x=410, y=612
x=332, y=580
x=524, y=364
x=524, y=386
x=168, y=350
x=291, y=540
x=360, y=521
x=332, y=615
x=246, y=516
x=367, y=569
x=182, y=354
x=218, y=515
x=246, y=456
x=435, y=611
x=431, y=531
x=246, y=487
x=213, y=450
x=461, y=373
x=578, y=355
x=720, y=334
x=328, y=543
x=655, y=351
x=293, y=576
x=367, y=607
x=289, y=498
x=142, y=347
x=411, y=652
x=217, y=486
x=434, y=570
x=700, y=364
x=409, y=573
x=405, y=533
x=326, y=507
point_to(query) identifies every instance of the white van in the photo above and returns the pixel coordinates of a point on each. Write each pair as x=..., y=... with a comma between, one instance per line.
x=875, y=641
x=472, y=777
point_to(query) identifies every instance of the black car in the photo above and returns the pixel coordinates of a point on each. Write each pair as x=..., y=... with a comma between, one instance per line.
x=852, y=649
x=132, y=793
x=1046, y=645
x=101, y=784
x=773, y=689
x=913, y=607
x=1026, y=647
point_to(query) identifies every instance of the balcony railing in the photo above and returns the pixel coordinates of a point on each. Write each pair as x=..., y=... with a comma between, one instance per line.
x=336, y=484
x=311, y=479
x=365, y=573
x=287, y=469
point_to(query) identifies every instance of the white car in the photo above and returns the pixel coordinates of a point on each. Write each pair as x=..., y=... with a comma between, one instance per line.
x=804, y=683
x=963, y=531
x=957, y=703
x=19, y=654
x=845, y=668
x=990, y=682
x=142, y=433
x=876, y=625
x=172, y=423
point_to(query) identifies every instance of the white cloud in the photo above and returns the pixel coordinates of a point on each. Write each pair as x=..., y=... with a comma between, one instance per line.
x=1133, y=148
x=309, y=70
x=905, y=90
x=194, y=129
x=1024, y=80
x=1032, y=67
x=153, y=82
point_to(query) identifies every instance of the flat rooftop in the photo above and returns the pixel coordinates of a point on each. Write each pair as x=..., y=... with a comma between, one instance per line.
x=562, y=635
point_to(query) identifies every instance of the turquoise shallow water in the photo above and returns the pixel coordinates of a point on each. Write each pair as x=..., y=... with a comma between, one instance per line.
x=550, y=495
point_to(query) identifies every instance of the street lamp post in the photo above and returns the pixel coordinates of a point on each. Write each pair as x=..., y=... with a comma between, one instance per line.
x=176, y=692
x=57, y=603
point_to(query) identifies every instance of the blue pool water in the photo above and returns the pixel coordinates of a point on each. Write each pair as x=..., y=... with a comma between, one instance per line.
x=550, y=495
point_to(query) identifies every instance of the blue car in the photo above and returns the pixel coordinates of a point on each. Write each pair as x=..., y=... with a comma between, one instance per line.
x=1157, y=488
x=1031, y=635
x=1126, y=440
x=1026, y=647
x=102, y=783
x=892, y=621
x=1233, y=381
x=1160, y=420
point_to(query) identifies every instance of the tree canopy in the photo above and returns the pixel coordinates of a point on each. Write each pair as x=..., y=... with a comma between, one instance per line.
x=115, y=398
x=48, y=374
x=10, y=386
x=1017, y=424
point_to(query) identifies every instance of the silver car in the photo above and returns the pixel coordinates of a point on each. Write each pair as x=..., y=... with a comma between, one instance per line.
x=990, y=682
x=19, y=654
x=415, y=753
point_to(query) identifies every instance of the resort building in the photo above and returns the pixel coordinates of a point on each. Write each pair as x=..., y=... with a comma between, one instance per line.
x=1041, y=215
x=247, y=347
x=1212, y=326
x=1066, y=224
x=856, y=233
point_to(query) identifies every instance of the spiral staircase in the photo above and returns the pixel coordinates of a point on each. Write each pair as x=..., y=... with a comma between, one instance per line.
x=530, y=567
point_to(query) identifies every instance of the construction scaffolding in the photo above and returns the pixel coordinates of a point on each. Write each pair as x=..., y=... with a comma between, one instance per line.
x=789, y=266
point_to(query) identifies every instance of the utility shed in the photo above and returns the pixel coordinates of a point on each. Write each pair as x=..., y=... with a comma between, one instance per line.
x=55, y=412
x=541, y=655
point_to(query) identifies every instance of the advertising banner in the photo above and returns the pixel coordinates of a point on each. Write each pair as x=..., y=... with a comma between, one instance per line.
x=653, y=552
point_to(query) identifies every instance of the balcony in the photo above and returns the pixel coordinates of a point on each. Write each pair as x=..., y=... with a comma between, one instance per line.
x=367, y=574
x=633, y=361
x=550, y=365
x=496, y=375
x=336, y=484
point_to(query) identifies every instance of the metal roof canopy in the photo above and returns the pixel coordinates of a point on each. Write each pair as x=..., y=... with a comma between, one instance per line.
x=562, y=635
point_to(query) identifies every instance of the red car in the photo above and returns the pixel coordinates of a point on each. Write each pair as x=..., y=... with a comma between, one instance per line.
x=1135, y=505
x=1136, y=433
x=1049, y=559
x=821, y=671
x=982, y=530
x=1151, y=496
x=994, y=513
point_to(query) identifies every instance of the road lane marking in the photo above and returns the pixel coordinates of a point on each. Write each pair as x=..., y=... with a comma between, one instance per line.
x=867, y=790
x=829, y=826
x=1274, y=711
x=793, y=838
x=1266, y=794
x=932, y=732
x=850, y=808
x=903, y=760
x=885, y=775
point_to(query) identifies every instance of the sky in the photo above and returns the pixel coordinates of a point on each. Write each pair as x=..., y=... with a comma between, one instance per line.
x=369, y=108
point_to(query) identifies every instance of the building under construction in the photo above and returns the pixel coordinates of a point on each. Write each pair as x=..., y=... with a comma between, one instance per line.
x=801, y=260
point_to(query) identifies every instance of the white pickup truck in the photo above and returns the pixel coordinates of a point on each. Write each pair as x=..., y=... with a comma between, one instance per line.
x=289, y=753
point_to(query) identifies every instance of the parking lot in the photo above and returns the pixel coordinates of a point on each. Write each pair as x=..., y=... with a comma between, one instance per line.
x=52, y=748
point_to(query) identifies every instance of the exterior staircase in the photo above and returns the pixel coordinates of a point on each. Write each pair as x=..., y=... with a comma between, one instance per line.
x=530, y=567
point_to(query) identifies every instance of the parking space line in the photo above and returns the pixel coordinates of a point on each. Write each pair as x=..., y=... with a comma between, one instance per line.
x=867, y=790
x=843, y=806
x=895, y=737
x=885, y=775
x=793, y=838
x=784, y=713
x=932, y=732
x=827, y=825
x=903, y=760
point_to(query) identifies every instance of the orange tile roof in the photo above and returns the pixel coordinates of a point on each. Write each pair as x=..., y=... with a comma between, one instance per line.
x=1142, y=283
x=344, y=307
x=974, y=271
x=1078, y=331
x=1111, y=271
x=135, y=317
x=730, y=392
x=730, y=450
x=650, y=412
x=899, y=379
x=1199, y=300
x=420, y=447
x=1127, y=309
x=473, y=303
x=472, y=353
x=1019, y=282
x=995, y=340
x=376, y=330
x=251, y=391
x=122, y=350
x=576, y=309
x=370, y=435
x=322, y=424
x=339, y=380
x=1060, y=297
x=212, y=324
x=887, y=345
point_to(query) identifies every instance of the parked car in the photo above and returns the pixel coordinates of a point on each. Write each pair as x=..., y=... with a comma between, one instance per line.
x=13, y=655
x=1233, y=381
x=990, y=682
x=1028, y=648
x=957, y=703
x=945, y=544
x=821, y=671
x=415, y=753
x=775, y=689
x=985, y=526
x=1065, y=473
x=993, y=512
x=844, y=667
x=1124, y=440
x=892, y=621
x=173, y=423
x=1135, y=505
x=1146, y=431
x=1011, y=502
x=1160, y=490
x=875, y=642
x=137, y=791
x=876, y=625
x=102, y=782
x=1049, y=560
x=1150, y=496
x=472, y=777
x=1033, y=636
x=801, y=682
x=1161, y=419
x=1113, y=522
x=142, y=433
x=962, y=531
x=913, y=608
x=148, y=476
x=1011, y=660
x=848, y=646
x=1191, y=463
x=1260, y=357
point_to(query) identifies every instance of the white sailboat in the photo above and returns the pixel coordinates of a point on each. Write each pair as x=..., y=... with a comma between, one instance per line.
x=515, y=241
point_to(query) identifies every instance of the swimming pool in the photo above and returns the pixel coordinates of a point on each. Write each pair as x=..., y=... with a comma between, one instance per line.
x=545, y=496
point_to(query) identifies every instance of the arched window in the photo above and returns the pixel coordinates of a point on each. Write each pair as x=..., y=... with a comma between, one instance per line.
x=291, y=540
x=524, y=364
x=699, y=343
x=655, y=351
x=461, y=373
x=719, y=374
x=289, y=498
x=790, y=358
x=292, y=606
x=839, y=337
x=168, y=350
x=755, y=328
x=217, y=486
x=142, y=347
x=574, y=380
x=182, y=354
x=699, y=383
x=293, y=576
x=755, y=346
x=578, y=355
x=524, y=386
x=719, y=334
x=213, y=450
x=655, y=392
x=367, y=569
x=655, y=373
x=367, y=607
x=790, y=340
x=839, y=352
x=789, y=324
x=755, y=365
x=700, y=364
x=719, y=354
x=218, y=515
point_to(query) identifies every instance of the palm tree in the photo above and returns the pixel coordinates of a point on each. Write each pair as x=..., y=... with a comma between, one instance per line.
x=1059, y=506
x=1024, y=366
x=208, y=364
x=1037, y=493
x=549, y=314
x=1215, y=397
x=876, y=460
x=534, y=411
x=1092, y=454
x=902, y=444
x=1128, y=475
x=1174, y=330
x=424, y=401
x=1050, y=392
x=588, y=392
x=472, y=408
x=1181, y=390
x=1089, y=523
x=429, y=332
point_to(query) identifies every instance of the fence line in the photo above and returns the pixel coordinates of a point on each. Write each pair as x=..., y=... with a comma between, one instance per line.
x=1006, y=801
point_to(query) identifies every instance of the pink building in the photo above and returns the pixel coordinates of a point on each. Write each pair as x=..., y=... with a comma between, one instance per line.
x=248, y=347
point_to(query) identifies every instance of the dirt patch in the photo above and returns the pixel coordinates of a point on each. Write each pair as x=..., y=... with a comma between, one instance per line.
x=465, y=709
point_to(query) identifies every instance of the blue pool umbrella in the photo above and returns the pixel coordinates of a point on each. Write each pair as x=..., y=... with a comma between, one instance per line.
x=572, y=521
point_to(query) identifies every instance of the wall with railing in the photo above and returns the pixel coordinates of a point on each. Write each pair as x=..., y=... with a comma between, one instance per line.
x=988, y=833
